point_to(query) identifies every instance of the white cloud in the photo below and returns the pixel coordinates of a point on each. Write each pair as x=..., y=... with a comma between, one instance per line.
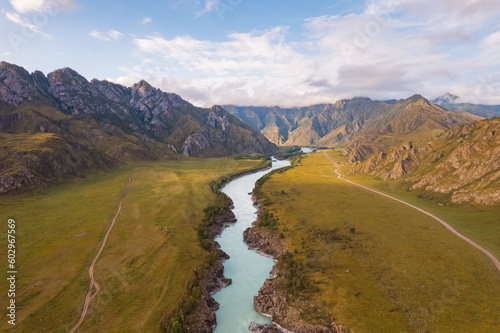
x=393, y=49
x=210, y=6
x=26, y=6
x=25, y=23
x=146, y=20
x=492, y=40
x=107, y=36
x=244, y=53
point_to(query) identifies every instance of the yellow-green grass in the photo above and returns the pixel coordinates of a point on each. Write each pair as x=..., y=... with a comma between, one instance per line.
x=24, y=143
x=479, y=222
x=400, y=271
x=150, y=254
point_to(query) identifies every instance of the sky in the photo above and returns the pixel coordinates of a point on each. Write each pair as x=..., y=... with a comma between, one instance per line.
x=265, y=53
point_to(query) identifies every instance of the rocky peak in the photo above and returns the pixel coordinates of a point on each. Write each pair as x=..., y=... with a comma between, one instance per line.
x=217, y=108
x=341, y=104
x=19, y=71
x=217, y=118
x=17, y=86
x=73, y=91
x=416, y=97
x=353, y=102
x=113, y=91
x=40, y=80
x=67, y=76
x=419, y=99
x=142, y=87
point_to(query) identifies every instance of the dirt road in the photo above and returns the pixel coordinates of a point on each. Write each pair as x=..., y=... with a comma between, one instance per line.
x=94, y=286
x=493, y=259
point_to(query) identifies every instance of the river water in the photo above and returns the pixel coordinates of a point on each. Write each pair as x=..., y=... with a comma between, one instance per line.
x=246, y=268
x=308, y=150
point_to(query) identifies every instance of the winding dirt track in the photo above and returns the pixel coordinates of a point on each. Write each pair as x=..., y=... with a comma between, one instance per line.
x=493, y=259
x=94, y=286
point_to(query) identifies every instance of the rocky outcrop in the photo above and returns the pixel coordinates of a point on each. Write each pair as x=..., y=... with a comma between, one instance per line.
x=470, y=170
x=18, y=86
x=395, y=163
x=264, y=242
x=263, y=328
x=462, y=163
x=202, y=319
x=357, y=152
x=201, y=141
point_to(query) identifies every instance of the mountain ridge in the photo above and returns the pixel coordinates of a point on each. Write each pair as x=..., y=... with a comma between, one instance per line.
x=338, y=124
x=100, y=124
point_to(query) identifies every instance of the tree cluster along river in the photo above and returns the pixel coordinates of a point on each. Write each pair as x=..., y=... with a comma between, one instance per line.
x=246, y=268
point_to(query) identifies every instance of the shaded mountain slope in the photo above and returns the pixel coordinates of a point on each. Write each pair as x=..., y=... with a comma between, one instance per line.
x=40, y=146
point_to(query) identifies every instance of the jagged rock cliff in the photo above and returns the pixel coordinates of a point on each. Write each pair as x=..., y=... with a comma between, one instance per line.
x=60, y=125
x=462, y=163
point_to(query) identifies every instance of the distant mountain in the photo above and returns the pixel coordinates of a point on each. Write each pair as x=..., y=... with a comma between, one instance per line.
x=462, y=164
x=322, y=124
x=452, y=102
x=60, y=125
x=362, y=125
x=415, y=119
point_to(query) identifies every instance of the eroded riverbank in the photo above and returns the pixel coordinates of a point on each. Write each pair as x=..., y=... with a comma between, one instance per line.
x=246, y=268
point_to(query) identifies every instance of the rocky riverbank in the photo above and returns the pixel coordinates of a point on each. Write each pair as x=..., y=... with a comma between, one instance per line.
x=273, y=300
x=211, y=279
x=202, y=319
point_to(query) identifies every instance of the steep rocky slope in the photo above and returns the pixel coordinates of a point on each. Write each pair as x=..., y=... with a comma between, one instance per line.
x=463, y=163
x=40, y=145
x=60, y=125
x=415, y=119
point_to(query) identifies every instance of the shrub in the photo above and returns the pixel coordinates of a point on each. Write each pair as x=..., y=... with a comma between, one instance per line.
x=295, y=280
x=267, y=219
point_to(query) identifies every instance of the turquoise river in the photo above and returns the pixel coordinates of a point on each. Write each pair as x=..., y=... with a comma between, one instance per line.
x=246, y=268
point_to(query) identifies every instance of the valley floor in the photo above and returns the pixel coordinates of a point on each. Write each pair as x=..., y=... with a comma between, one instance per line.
x=151, y=252
x=382, y=266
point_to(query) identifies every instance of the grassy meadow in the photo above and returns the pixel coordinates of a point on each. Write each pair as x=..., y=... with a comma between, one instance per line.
x=479, y=222
x=150, y=254
x=380, y=266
